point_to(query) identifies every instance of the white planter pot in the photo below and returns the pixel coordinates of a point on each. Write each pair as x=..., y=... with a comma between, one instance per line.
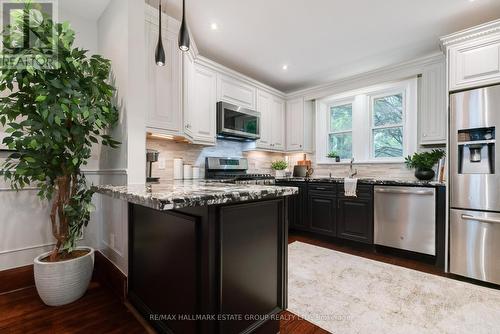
x=63, y=282
x=279, y=174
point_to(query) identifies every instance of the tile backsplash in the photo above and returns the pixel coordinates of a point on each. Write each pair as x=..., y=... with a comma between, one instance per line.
x=388, y=171
x=260, y=162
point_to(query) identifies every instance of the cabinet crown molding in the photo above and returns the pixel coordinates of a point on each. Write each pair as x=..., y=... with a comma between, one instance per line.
x=481, y=30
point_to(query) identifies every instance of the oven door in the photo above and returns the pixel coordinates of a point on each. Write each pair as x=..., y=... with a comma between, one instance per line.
x=237, y=122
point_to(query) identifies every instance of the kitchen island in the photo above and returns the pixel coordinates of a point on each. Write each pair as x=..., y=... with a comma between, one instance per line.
x=207, y=257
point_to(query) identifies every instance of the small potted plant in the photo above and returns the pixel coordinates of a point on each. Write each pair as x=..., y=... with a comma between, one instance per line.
x=333, y=155
x=423, y=163
x=53, y=115
x=279, y=167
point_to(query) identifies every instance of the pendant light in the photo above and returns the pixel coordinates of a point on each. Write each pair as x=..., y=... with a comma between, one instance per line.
x=183, y=33
x=159, y=52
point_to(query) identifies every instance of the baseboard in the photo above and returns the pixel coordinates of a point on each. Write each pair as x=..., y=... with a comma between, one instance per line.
x=16, y=278
x=105, y=272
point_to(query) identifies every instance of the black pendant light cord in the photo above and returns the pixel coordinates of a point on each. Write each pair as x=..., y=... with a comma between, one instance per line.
x=159, y=52
x=183, y=33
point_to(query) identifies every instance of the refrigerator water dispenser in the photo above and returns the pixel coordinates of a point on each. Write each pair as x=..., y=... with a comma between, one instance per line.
x=476, y=151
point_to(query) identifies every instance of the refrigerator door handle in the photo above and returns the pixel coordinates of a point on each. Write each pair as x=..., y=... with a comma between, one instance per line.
x=479, y=219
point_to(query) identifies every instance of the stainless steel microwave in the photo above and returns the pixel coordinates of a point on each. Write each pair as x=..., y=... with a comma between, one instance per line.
x=234, y=122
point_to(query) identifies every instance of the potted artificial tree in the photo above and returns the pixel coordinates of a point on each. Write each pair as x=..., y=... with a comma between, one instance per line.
x=279, y=168
x=424, y=163
x=58, y=105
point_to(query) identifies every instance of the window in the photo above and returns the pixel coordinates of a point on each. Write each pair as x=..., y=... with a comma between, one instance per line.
x=376, y=124
x=387, y=135
x=340, y=134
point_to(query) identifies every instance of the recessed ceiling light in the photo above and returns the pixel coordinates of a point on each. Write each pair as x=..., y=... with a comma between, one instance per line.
x=214, y=26
x=284, y=67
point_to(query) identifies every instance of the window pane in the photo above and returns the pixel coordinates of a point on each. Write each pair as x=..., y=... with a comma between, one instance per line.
x=388, y=143
x=341, y=118
x=388, y=110
x=342, y=144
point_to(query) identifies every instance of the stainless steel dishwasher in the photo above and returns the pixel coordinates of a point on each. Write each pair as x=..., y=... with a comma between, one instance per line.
x=405, y=218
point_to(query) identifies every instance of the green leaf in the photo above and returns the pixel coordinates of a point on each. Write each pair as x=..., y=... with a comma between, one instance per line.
x=40, y=98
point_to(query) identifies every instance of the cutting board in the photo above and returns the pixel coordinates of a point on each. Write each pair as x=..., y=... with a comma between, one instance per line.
x=305, y=162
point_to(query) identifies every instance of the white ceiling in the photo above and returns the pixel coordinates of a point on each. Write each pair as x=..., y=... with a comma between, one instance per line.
x=87, y=9
x=322, y=40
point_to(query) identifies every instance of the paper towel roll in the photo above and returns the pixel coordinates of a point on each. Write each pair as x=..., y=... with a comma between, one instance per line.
x=178, y=169
x=188, y=172
x=196, y=172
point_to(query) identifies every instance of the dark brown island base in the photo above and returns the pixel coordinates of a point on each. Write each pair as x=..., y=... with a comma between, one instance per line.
x=207, y=257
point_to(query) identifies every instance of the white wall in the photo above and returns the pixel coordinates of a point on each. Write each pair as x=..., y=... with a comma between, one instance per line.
x=121, y=39
x=24, y=219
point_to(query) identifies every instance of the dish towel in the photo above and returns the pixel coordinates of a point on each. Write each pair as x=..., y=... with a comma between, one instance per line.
x=350, y=185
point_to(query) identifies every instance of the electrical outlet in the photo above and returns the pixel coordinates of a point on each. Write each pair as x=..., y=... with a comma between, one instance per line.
x=161, y=163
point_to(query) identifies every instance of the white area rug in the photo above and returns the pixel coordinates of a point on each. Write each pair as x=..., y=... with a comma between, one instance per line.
x=343, y=293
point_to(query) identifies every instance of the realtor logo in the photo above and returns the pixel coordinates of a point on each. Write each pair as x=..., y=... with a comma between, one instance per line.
x=25, y=42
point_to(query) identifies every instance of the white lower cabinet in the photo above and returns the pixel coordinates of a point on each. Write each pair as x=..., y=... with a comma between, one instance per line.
x=200, y=86
x=272, y=121
x=164, y=91
x=432, y=105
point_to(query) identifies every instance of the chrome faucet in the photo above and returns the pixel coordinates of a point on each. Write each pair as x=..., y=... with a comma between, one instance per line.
x=352, y=172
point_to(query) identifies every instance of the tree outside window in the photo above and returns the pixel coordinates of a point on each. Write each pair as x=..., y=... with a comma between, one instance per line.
x=340, y=136
x=387, y=127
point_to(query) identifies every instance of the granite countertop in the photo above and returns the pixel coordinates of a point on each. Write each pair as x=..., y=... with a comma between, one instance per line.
x=367, y=180
x=189, y=193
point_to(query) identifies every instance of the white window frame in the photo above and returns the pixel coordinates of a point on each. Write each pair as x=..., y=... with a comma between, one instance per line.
x=372, y=98
x=337, y=103
x=362, y=121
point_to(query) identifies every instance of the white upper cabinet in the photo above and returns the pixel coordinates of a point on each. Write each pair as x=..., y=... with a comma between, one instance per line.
x=473, y=56
x=199, y=102
x=164, y=91
x=278, y=123
x=272, y=121
x=298, y=126
x=264, y=100
x=432, y=105
x=475, y=64
x=235, y=91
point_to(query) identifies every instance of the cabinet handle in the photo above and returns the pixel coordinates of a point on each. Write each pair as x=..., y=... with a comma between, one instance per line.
x=319, y=188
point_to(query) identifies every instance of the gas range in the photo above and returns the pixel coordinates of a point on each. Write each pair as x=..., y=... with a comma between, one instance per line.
x=234, y=170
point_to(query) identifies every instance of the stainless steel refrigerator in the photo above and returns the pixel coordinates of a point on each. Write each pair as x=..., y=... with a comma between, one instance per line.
x=475, y=184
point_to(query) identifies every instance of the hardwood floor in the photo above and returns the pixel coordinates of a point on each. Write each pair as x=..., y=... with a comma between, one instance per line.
x=101, y=310
x=293, y=324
